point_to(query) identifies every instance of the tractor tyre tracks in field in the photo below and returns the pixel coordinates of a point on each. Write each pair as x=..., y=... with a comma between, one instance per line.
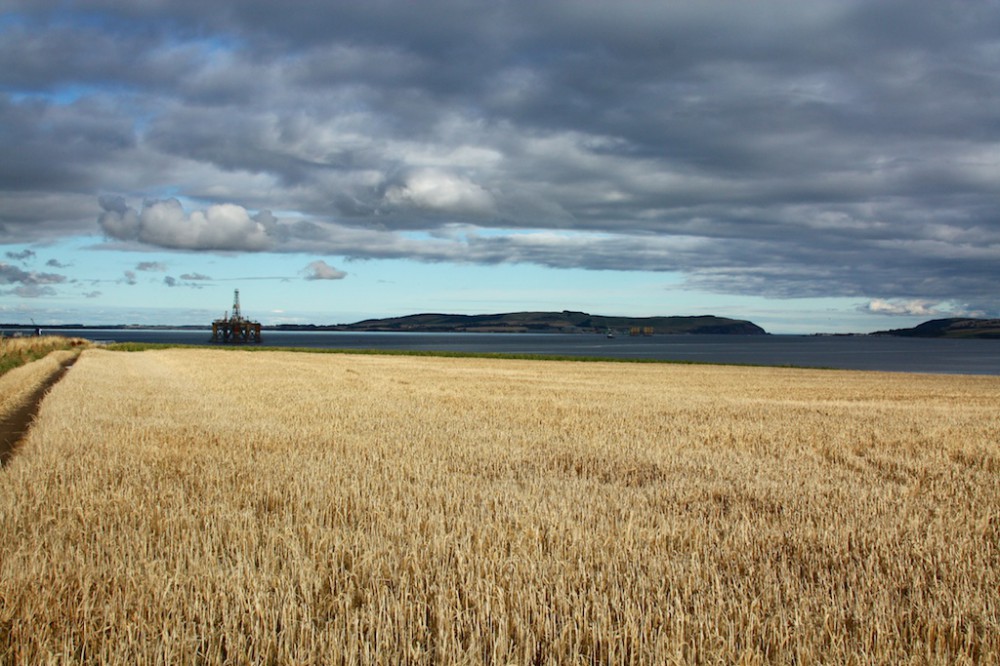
x=14, y=426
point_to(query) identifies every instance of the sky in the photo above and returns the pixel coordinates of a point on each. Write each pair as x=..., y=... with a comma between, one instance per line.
x=812, y=166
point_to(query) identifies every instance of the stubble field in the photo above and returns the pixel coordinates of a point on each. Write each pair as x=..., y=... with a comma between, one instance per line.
x=210, y=506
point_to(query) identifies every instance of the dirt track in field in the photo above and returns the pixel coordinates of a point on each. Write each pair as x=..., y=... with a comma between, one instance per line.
x=15, y=425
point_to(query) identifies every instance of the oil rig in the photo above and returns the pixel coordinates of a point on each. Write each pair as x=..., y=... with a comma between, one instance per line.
x=235, y=329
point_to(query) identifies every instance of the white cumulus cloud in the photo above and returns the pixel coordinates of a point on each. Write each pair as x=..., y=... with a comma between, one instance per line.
x=437, y=191
x=165, y=223
x=914, y=307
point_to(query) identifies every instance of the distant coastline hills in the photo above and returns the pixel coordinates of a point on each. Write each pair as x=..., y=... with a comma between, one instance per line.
x=566, y=321
x=556, y=322
x=574, y=322
x=955, y=327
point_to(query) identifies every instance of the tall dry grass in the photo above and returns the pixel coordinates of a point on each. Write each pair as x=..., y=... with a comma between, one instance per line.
x=17, y=351
x=201, y=506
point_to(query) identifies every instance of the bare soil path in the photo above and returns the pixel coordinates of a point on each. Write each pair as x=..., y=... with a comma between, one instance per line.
x=14, y=426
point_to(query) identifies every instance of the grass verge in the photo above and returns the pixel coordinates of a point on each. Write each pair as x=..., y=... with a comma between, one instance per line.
x=15, y=352
x=149, y=346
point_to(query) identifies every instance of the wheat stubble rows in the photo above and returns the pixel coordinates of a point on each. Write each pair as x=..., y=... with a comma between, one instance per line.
x=203, y=506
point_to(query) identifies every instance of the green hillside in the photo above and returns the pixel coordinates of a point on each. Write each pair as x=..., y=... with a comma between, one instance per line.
x=956, y=327
x=558, y=322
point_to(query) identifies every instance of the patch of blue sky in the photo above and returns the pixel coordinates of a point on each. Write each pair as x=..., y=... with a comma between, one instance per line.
x=77, y=17
x=12, y=19
x=783, y=316
x=375, y=287
x=123, y=286
x=62, y=96
x=65, y=95
x=394, y=287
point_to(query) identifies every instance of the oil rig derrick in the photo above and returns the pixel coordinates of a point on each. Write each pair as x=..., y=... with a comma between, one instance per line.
x=235, y=328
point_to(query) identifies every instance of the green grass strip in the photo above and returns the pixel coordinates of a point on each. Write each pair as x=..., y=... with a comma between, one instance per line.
x=145, y=346
x=13, y=355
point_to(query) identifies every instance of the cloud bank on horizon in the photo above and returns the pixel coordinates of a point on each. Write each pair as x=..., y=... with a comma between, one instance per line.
x=775, y=148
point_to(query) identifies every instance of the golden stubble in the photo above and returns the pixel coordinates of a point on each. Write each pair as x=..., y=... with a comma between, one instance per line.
x=205, y=506
x=20, y=384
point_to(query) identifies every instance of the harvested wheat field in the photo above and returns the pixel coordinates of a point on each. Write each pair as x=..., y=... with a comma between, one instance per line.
x=232, y=507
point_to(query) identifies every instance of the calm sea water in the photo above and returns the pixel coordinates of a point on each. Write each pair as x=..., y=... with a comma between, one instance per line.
x=974, y=357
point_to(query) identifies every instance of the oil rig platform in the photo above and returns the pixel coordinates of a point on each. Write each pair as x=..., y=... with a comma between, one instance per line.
x=235, y=329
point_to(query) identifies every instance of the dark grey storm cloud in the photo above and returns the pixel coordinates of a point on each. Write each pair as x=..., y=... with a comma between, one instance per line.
x=27, y=284
x=781, y=148
x=23, y=255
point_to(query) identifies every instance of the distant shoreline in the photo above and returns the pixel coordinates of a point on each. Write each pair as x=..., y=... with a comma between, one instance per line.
x=578, y=323
x=566, y=321
x=346, y=328
x=955, y=328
